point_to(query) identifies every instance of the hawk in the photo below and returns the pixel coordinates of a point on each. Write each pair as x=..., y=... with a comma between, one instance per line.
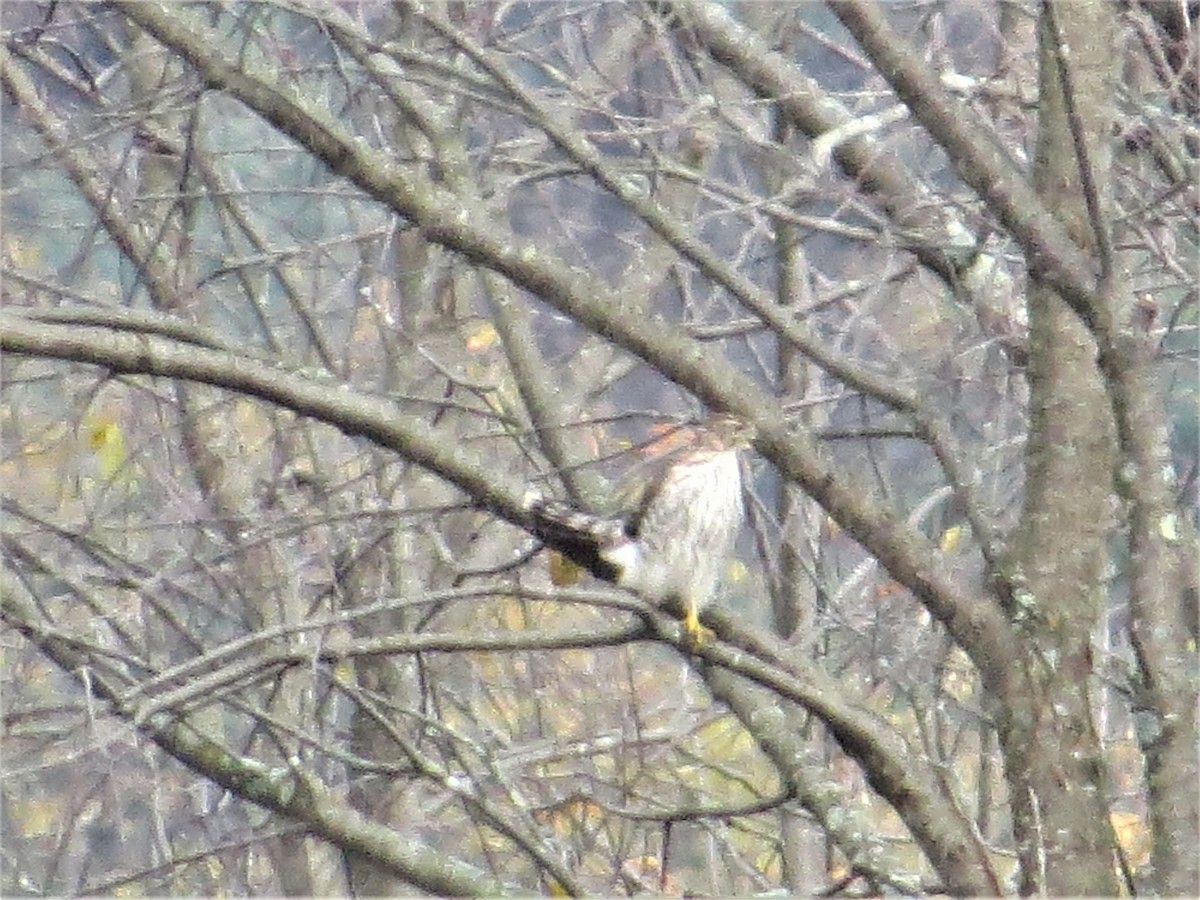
x=673, y=536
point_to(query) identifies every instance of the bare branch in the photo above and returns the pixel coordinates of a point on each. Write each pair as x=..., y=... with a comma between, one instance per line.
x=287, y=791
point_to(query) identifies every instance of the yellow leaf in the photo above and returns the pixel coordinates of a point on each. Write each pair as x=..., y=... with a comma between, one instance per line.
x=950, y=538
x=481, y=337
x=101, y=433
x=1168, y=527
x=107, y=441
x=768, y=863
x=512, y=615
x=215, y=868
x=563, y=572
x=24, y=254
x=1133, y=836
x=37, y=818
x=737, y=571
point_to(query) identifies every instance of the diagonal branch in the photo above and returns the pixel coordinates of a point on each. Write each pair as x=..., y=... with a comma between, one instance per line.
x=943, y=243
x=906, y=781
x=1051, y=256
x=982, y=164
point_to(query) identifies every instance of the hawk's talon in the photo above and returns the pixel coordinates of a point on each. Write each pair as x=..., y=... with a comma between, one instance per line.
x=694, y=634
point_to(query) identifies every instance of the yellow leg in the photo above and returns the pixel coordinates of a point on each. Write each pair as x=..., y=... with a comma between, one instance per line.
x=693, y=631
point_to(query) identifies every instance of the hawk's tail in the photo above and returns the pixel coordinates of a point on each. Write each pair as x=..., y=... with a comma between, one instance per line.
x=581, y=537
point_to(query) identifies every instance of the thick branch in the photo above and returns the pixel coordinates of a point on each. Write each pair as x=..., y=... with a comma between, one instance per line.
x=806, y=775
x=309, y=393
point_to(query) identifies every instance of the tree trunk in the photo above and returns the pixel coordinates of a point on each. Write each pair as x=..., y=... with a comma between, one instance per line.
x=1052, y=752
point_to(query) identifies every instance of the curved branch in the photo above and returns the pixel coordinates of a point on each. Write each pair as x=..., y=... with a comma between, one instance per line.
x=307, y=392
x=203, y=687
x=904, y=780
x=125, y=319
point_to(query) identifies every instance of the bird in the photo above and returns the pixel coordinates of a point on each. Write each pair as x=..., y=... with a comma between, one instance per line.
x=676, y=527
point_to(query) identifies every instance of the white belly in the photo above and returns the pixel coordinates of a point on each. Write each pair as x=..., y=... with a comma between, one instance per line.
x=682, y=547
